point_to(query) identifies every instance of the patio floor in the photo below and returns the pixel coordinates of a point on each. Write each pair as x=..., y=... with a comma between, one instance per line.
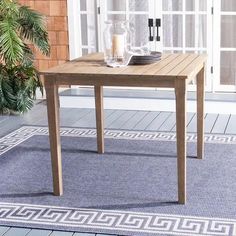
x=119, y=119
x=14, y=231
x=114, y=119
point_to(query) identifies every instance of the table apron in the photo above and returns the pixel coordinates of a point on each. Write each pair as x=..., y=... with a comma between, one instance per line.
x=129, y=81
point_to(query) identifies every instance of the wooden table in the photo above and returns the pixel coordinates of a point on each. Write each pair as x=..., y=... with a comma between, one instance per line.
x=173, y=71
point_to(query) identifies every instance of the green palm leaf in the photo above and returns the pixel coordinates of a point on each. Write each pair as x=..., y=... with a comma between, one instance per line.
x=7, y=99
x=23, y=101
x=32, y=28
x=28, y=55
x=8, y=9
x=11, y=46
x=18, y=77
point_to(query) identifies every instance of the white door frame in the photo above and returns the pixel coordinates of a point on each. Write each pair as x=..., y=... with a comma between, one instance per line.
x=74, y=29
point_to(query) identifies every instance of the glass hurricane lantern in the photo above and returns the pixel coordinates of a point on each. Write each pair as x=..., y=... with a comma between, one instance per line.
x=116, y=42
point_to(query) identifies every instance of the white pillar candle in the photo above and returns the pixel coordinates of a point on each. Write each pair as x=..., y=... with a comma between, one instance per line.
x=118, y=45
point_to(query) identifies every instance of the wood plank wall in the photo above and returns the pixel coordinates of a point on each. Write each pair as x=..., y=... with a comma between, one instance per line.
x=56, y=17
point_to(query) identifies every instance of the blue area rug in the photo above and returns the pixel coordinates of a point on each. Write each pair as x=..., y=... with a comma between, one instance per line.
x=129, y=190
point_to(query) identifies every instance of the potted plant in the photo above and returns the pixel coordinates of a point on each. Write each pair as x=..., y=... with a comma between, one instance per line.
x=19, y=79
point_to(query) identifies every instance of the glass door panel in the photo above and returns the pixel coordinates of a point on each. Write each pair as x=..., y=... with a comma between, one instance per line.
x=136, y=12
x=172, y=32
x=190, y=31
x=228, y=6
x=139, y=5
x=228, y=47
x=172, y=5
x=225, y=47
x=186, y=27
x=88, y=26
x=139, y=11
x=140, y=33
x=190, y=5
x=227, y=68
x=116, y=5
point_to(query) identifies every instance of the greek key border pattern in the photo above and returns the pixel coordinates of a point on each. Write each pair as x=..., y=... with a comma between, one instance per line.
x=20, y=135
x=115, y=221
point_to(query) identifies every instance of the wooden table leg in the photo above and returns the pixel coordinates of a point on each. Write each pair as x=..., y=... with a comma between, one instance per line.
x=54, y=135
x=99, y=118
x=180, y=93
x=200, y=113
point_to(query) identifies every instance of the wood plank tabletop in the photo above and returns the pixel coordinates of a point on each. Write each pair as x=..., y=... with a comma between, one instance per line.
x=171, y=65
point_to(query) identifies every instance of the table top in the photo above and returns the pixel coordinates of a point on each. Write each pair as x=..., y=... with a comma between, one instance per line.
x=181, y=65
x=92, y=70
